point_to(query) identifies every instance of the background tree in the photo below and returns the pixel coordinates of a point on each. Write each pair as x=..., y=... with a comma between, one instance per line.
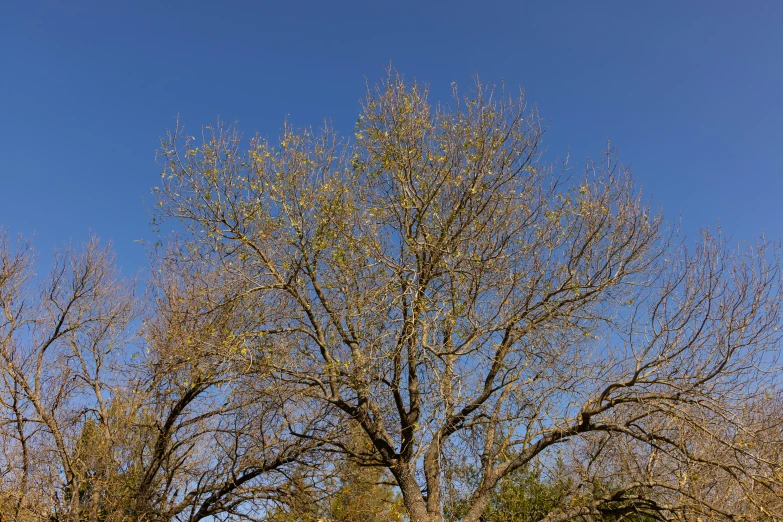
x=437, y=283
x=343, y=490
x=362, y=493
x=528, y=495
x=58, y=342
x=178, y=425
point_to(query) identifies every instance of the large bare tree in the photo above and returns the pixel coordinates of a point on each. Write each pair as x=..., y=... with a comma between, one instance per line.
x=473, y=307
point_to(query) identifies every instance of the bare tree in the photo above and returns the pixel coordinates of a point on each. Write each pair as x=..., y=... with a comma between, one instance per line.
x=217, y=433
x=178, y=425
x=57, y=344
x=463, y=301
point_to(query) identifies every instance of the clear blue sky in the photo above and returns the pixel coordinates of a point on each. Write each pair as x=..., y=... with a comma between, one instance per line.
x=689, y=92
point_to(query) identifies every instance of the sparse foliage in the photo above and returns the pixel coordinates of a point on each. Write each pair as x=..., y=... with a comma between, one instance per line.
x=436, y=282
x=424, y=322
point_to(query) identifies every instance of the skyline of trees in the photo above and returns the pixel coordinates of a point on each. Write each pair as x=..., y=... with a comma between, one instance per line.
x=425, y=322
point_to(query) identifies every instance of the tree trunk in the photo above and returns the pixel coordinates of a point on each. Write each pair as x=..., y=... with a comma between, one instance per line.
x=411, y=495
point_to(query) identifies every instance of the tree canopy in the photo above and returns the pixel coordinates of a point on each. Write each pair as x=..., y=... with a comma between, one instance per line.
x=426, y=313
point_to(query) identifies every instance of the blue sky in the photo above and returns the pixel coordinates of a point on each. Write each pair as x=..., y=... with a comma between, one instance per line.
x=689, y=92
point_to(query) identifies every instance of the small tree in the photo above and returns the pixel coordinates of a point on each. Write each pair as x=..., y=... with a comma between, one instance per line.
x=437, y=283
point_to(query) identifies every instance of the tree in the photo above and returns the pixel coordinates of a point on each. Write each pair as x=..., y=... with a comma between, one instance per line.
x=436, y=282
x=527, y=495
x=102, y=422
x=58, y=343
x=341, y=490
x=216, y=433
